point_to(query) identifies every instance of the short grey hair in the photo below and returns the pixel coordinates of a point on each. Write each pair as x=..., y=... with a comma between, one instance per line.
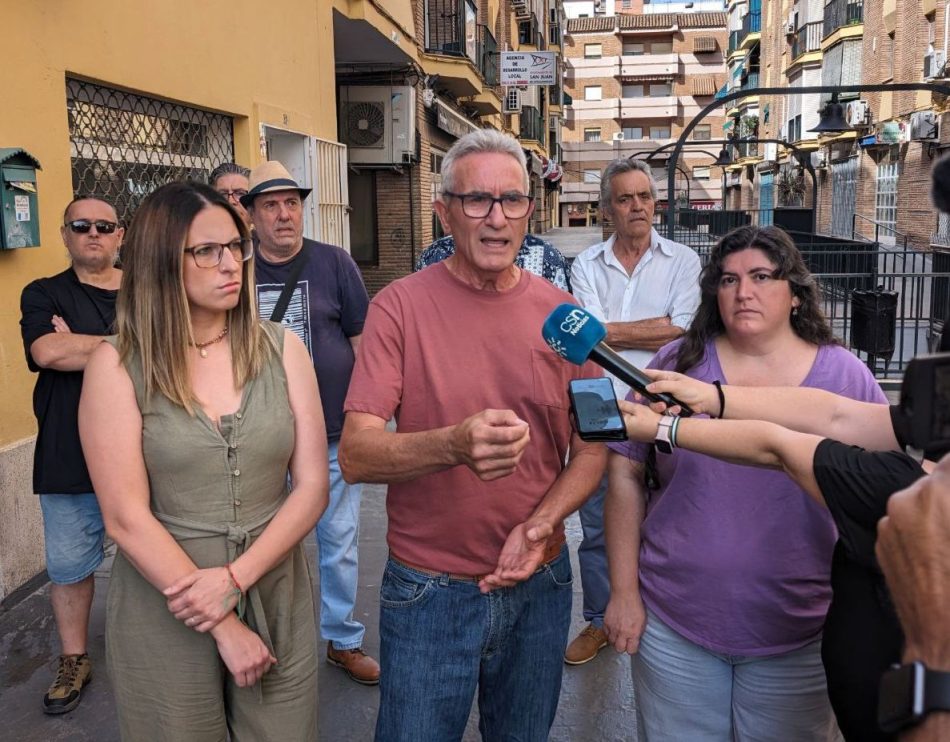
x=619, y=167
x=481, y=141
x=227, y=168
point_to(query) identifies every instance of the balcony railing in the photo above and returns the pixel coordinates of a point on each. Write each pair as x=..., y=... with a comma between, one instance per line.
x=751, y=23
x=532, y=124
x=748, y=149
x=554, y=35
x=735, y=37
x=555, y=95
x=807, y=39
x=446, y=26
x=840, y=13
x=487, y=56
x=529, y=33
x=751, y=80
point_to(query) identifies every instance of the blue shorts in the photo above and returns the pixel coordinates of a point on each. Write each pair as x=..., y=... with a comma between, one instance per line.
x=74, y=532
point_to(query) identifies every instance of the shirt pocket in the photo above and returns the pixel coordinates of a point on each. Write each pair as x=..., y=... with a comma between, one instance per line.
x=549, y=379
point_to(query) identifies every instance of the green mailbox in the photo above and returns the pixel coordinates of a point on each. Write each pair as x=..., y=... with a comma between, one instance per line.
x=19, y=212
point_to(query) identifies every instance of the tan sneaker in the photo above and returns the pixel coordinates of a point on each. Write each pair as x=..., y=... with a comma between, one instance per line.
x=75, y=670
x=354, y=662
x=586, y=646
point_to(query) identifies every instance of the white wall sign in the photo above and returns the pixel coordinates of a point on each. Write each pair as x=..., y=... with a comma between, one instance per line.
x=528, y=68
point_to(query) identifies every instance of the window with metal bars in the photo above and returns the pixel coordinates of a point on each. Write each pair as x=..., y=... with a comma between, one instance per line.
x=125, y=145
x=888, y=170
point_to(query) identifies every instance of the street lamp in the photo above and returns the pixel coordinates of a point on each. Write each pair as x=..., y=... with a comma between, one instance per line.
x=832, y=118
x=942, y=88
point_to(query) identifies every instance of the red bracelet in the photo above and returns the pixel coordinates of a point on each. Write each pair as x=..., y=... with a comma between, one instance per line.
x=234, y=579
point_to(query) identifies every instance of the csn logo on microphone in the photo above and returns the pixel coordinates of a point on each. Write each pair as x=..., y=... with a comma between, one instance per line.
x=574, y=321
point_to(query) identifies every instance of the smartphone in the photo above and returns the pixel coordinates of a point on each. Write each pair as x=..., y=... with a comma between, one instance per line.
x=594, y=410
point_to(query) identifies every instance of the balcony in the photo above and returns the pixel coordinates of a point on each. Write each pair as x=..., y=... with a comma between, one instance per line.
x=487, y=56
x=649, y=107
x=747, y=149
x=555, y=96
x=840, y=13
x=751, y=24
x=647, y=65
x=529, y=33
x=451, y=32
x=750, y=80
x=807, y=39
x=735, y=37
x=554, y=35
x=532, y=124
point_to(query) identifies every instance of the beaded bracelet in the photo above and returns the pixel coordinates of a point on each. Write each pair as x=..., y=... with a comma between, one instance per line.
x=234, y=579
x=722, y=398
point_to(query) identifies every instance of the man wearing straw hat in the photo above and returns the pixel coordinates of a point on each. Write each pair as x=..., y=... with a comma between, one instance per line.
x=316, y=291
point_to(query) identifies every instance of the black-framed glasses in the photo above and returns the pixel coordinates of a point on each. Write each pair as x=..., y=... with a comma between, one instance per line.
x=479, y=205
x=82, y=226
x=237, y=193
x=209, y=254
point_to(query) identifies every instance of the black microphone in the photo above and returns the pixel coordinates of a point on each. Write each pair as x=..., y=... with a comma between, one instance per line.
x=576, y=335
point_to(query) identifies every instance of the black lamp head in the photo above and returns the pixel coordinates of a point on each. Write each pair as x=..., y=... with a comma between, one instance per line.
x=724, y=158
x=832, y=119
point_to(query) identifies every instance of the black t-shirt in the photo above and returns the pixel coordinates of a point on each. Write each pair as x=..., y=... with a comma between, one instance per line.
x=862, y=636
x=58, y=464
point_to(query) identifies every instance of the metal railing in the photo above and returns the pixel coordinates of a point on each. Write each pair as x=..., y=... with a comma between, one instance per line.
x=807, y=39
x=748, y=149
x=751, y=80
x=751, y=23
x=735, y=38
x=921, y=282
x=840, y=13
x=445, y=28
x=532, y=124
x=487, y=56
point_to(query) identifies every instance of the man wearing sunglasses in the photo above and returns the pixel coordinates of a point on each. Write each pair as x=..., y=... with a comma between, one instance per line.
x=64, y=318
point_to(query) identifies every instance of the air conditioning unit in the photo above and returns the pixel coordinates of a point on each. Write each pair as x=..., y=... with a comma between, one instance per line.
x=790, y=28
x=512, y=100
x=618, y=136
x=858, y=113
x=924, y=126
x=819, y=160
x=378, y=123
x=933, y=64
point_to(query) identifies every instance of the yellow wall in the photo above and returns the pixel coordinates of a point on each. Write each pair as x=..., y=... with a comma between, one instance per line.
x=262, y=63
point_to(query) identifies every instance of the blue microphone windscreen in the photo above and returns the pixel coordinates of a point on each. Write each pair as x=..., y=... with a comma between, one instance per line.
x=572, y=332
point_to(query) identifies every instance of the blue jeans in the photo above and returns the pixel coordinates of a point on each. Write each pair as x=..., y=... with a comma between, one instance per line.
x=74, y=534
x=686, y=692
x=337, y=536
x=592, y=556
x=441, y=639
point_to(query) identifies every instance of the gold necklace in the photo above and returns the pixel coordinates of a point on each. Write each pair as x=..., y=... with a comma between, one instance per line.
x=203, y=347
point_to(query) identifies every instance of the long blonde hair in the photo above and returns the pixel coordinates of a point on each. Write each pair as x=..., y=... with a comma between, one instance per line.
x=152, y=316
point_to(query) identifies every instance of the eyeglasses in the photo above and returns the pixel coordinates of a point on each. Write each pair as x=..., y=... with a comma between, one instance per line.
x=237, y=195
x=82, y=226
x=209, y=254
x=479, y=205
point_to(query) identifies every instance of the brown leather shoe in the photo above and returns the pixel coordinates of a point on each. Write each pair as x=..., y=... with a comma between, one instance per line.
x=354, y=662
x=586, y=645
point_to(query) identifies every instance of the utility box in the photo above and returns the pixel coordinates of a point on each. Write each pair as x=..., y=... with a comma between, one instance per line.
x=19, y=210
x=874, y=322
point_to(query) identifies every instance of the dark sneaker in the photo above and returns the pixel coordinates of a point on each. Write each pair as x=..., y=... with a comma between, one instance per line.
x=75, y=670
x=356, y=663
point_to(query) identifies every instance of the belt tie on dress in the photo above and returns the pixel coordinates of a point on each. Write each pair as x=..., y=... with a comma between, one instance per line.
x=238, y=538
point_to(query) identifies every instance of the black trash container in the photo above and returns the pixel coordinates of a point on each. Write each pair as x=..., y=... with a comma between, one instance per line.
x=874, y=321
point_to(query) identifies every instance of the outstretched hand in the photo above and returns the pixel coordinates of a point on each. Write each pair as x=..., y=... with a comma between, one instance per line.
x=640, y=421
x=701, y=396
x=491, y=443
x=520, y=557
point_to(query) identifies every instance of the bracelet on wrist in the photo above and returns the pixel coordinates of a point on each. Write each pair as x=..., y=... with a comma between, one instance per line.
x=722, y=399
x=674, y=427
x=234, y=579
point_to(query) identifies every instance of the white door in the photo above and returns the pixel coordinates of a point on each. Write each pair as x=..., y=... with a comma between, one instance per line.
x=293, y=151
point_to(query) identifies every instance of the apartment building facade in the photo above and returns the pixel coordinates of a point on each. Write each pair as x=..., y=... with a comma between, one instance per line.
x=873, y=179
x=635, y=81
x=403, y=105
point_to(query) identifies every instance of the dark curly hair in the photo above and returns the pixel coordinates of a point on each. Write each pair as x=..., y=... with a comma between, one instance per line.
x=808, y=321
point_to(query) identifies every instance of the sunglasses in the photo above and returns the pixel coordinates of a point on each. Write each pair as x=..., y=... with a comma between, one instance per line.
x=82, y=226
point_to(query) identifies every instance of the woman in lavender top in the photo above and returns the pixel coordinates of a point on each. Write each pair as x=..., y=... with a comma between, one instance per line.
x=720, y=577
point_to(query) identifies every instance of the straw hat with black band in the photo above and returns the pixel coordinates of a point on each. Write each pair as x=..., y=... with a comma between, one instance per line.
x=267, y=177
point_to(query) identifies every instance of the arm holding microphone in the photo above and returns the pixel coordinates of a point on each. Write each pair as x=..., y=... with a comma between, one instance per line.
x=802, y=409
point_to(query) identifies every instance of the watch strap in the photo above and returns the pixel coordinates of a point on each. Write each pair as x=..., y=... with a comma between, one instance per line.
x=936, y=690
x=664, y=438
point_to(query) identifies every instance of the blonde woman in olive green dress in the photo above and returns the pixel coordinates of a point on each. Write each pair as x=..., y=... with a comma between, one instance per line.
x=190, y=421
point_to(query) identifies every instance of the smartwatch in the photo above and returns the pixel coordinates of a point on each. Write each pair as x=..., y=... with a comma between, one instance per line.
x=664, y=439
x=908, y=693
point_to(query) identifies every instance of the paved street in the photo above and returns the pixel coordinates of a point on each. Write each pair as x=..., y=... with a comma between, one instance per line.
x=572, y=241
x=596, y=701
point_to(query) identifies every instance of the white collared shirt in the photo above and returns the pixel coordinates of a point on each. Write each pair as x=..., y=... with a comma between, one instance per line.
x=665, y=283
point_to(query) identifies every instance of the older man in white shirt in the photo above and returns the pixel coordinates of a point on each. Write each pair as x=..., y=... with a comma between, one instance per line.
x=645, y=289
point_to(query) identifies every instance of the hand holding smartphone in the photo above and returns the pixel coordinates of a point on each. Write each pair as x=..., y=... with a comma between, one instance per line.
x=595, y=413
